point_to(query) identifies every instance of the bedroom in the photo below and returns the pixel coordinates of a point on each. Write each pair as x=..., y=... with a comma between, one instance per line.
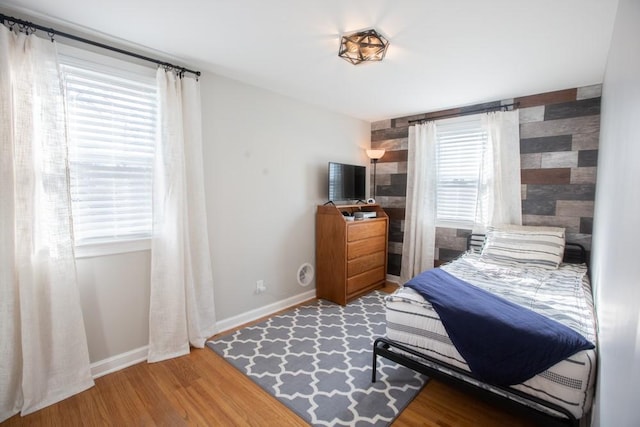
x=247, y=173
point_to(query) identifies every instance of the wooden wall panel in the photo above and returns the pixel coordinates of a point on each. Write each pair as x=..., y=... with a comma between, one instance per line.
x=559, y=134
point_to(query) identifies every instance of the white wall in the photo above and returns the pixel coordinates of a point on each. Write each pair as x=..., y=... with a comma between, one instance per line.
x=114, y=292
x=265, y=159
x=615, y=264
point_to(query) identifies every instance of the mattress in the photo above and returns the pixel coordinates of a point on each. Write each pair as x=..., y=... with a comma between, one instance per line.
x=563, y=294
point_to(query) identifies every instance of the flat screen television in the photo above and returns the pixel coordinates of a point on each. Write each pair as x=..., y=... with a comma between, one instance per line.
x=346, y=182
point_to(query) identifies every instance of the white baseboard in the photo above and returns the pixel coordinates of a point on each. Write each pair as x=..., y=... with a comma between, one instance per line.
x=393, y=279
x=250, y=316
x=129, y=358
x=119, y=361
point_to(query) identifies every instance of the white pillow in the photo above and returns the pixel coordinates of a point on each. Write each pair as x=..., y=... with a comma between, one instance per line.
x=525, y=245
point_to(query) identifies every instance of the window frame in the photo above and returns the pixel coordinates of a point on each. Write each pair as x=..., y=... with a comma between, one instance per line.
x=73, y=56
x=470, y=118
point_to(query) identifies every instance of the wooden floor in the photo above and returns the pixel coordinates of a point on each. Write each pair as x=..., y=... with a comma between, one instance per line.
x=202, y=389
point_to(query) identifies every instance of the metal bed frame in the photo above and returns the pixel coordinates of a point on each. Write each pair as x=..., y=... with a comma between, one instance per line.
x=574, y=253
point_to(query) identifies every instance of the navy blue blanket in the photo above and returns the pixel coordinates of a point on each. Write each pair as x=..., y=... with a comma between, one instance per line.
x=502, y=342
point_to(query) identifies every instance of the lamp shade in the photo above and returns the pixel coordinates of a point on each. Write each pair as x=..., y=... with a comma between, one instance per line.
x=375, y=154
x=362, y=46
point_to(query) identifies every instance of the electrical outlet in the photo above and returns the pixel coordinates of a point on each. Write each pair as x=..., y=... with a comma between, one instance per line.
x=260, y=286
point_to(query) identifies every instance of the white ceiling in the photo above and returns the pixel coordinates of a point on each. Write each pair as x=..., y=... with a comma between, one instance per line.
x=442, y=54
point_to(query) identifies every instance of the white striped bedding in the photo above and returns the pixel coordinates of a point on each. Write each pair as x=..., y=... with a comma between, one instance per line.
x=530, y=245
x=563, y=294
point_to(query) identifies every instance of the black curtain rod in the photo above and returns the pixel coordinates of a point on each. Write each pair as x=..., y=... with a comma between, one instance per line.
x=504, y=107
x=30, y=28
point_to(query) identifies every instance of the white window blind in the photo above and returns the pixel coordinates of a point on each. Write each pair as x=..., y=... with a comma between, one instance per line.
x=460, y=144
x=112, y=131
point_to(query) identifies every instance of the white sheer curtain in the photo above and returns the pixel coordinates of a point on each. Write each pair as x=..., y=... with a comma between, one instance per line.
x=499, y=195
x=418, y=247
x=43, y=347
x=181, y=306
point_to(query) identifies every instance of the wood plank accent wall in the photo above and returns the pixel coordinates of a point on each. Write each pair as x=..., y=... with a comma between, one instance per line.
x=559, y=134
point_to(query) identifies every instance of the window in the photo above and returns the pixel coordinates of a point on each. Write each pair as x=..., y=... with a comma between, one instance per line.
x=111, y=121
x=460, y=145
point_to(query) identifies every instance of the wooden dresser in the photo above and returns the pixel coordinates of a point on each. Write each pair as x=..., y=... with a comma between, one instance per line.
x=351, y=256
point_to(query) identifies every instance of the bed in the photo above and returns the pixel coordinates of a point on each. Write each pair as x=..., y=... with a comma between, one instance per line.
x=529, y=267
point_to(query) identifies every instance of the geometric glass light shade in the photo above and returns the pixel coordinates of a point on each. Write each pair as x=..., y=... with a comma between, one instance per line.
x=367, y=45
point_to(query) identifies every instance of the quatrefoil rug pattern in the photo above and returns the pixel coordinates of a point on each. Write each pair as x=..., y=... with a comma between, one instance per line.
x=316, y=359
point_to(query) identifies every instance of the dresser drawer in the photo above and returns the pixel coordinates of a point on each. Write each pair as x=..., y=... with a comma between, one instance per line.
x=366, y=228
x=361, y=281
x=365, y=247
x=365, y=263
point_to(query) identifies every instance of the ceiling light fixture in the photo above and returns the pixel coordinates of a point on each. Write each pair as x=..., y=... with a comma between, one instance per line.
x=367, y=45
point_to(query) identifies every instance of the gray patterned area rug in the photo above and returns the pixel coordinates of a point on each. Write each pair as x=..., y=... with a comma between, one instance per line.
x=316, y=359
